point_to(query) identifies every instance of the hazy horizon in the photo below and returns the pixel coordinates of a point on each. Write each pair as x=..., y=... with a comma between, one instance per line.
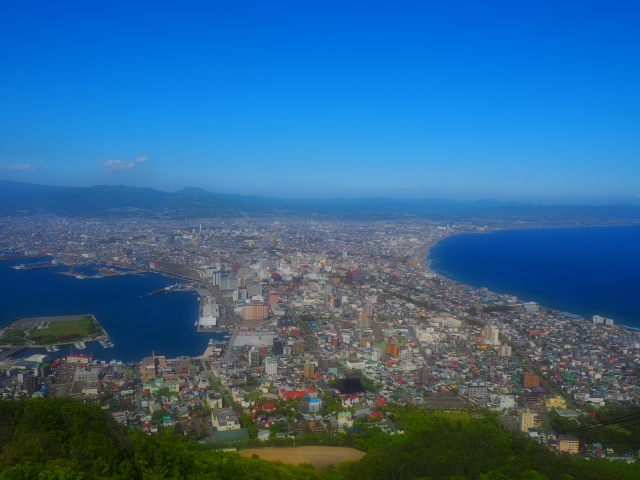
x=535, y=103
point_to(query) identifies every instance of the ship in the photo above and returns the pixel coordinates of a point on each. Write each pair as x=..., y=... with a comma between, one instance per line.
x=156, y=292
x=80, y=345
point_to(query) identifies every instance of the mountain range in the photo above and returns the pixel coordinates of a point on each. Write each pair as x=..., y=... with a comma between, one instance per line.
x=18, y=198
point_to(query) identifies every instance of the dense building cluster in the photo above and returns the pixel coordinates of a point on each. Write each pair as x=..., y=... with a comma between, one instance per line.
x=330, y=322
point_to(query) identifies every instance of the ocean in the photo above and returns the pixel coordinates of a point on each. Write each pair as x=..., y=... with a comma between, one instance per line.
x=585, y=271
x=137, y=324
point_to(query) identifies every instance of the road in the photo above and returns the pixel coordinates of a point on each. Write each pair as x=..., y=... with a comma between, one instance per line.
x=227, y=352
x=544, y=383
x=309, y=337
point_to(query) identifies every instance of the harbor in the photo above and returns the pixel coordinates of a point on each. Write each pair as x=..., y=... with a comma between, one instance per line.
x=134, y=323
x=101, y=272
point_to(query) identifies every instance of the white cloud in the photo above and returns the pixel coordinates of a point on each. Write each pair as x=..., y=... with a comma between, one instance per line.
x=122, y=165
x=402, y=187
x=118, y=165
x=25, y=167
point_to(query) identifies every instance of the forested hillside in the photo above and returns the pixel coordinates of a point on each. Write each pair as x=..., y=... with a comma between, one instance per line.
x=61, y=439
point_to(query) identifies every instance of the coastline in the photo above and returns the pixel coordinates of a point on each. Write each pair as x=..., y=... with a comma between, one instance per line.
x=426, y=249
x=573, y=303
x=135, y=325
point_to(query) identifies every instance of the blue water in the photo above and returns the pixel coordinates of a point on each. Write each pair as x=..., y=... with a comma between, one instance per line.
x=162, y=322
x=586, y=271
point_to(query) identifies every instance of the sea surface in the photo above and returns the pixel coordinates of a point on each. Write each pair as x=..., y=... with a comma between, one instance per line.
x=584, y=271
x=137, y=324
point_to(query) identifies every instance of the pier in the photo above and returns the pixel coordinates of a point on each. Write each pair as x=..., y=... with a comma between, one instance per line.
x=12, y=351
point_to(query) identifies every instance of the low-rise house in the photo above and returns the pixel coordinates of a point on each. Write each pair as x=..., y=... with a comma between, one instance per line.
x=224, y=419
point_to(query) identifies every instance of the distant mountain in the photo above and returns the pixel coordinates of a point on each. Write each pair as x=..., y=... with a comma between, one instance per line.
x=191, y=202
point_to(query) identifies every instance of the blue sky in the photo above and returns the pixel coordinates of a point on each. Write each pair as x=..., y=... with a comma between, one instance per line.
x=533, y=101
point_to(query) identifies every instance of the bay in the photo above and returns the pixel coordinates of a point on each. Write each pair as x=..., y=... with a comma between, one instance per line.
x=137, y=324
x=585, y=271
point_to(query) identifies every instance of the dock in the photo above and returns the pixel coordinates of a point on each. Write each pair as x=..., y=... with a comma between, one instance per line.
x=12, y=351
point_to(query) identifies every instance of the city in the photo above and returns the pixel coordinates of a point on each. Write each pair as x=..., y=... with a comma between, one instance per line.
x=323, y=328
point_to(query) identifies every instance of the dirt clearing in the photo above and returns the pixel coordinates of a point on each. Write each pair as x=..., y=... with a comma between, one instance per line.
x=320, y=457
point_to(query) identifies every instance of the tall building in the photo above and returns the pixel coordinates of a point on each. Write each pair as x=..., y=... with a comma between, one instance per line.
x=392, y=349
x=492, y=335
x=227, y=282
x=255, y=312
x=274, y=297
x=299, y=346
x=254, y=358
x=478, y=390
x=309, y=371
x=31, y=383
x=356, y=276
x=531, y=381
x=270, y=365
x=368, y=309
x=423, y=376
x=310, y=405
x=277, y=346
x=405, y=355
x=569, y=445
x=505, y=351
x=597, y=319
x=363, y=322
x=254, y=289
x=246, y=272
x=527, y=421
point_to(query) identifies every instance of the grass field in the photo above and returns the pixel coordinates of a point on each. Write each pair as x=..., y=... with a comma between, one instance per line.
x=12, y=337
x=69, y=331
x=453, y=416
x=320, y=457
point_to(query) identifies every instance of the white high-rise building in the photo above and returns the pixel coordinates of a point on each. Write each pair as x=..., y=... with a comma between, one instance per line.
x=597, y=319
x=270, y=365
